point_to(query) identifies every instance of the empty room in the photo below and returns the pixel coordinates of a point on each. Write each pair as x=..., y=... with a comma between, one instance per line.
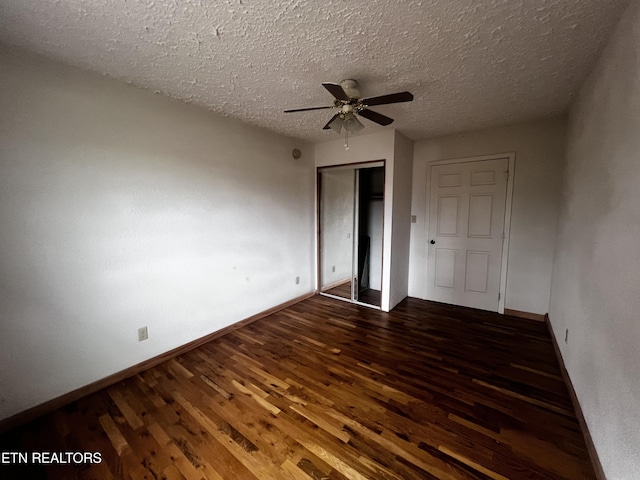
x=294, y=239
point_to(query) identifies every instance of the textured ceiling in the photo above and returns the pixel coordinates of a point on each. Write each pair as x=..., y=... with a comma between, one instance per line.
x=470, y=63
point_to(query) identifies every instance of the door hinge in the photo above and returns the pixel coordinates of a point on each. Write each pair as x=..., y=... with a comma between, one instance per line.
x=499, y=296
x=506, y=174
x=502, y=235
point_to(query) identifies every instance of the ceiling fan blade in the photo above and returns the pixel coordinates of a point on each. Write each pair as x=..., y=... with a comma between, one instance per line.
x=391, y=98
x=327, y=127
x=376, y=117
x=336, y=90
x=306, y=109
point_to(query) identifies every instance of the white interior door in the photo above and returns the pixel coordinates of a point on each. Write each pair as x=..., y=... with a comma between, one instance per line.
x=466, y=232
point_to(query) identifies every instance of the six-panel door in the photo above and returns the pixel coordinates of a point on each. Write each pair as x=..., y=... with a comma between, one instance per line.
x=466, y=226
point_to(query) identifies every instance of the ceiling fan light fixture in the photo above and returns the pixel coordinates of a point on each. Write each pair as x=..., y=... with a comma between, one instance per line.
x=351, y=124
x=336, y=124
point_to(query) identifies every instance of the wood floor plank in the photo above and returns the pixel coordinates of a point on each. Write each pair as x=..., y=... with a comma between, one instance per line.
x=327, y=390
x=115, y=436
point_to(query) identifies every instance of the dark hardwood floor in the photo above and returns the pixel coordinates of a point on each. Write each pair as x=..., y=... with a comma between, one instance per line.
x=329, y=390
x=370, y=297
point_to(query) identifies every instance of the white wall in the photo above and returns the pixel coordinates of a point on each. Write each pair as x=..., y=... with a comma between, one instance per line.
x=366, y=148
x=362, y=148
x=401, y=229
x=120, y=209
x=596, y=274
x=539, y=148
x=397, y=151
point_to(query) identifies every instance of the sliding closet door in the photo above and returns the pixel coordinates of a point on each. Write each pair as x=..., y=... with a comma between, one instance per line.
x=336, y=231
x=351, y=204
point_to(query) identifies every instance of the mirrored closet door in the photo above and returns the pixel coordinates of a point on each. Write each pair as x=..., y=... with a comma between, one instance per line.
x=351, y=219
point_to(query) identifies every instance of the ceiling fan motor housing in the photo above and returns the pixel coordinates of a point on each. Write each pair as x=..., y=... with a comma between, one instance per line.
x=350, y=87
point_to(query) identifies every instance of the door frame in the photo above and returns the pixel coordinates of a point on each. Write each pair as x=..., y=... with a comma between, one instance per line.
x=348, y=166
x=511, y=157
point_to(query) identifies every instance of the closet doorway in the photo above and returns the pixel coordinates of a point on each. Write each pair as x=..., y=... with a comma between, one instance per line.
x=350, y=232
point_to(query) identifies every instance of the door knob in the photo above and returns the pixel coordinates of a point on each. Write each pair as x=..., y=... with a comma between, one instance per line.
x=432, y=242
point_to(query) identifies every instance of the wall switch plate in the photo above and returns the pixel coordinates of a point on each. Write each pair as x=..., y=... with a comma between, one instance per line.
x=333, y=269
x=143, y=334
x=414, y=219
x=297, y=280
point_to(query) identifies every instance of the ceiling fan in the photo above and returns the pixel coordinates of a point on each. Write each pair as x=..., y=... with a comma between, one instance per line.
x=349, y=104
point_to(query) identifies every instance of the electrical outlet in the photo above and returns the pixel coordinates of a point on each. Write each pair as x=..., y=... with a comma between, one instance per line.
x=143, y=334
x=566, y=335
x=297, y=280
x=414, y=219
